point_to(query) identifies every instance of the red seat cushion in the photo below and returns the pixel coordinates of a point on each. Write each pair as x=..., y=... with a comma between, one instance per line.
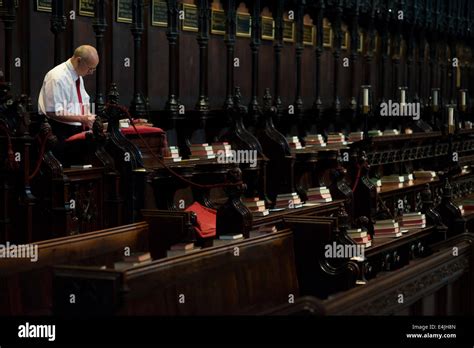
x=125, y=131
x=141, y=130
x=206, y=220
x=78, y=136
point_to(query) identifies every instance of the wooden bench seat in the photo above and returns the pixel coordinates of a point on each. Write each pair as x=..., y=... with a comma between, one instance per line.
x=26, y=287
x=238, y=277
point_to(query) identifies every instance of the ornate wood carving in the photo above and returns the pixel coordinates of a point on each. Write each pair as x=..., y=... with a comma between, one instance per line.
x=172, y=104
x=230, y=25
x=317, y=105
x=58, y=25
x=255, y=41
x=234, y=210
x=275, y=146
x=100, y=26
x=127, y=156
x=8, y=15
x=137, y=107
x=202, y=104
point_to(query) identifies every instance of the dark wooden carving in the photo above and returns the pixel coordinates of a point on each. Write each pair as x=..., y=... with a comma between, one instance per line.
x=8, y=15
x=233, y=209
x=202, y=104
x=253, y=109
x=100, y=26
x=449, y=212
x=277, y=47
x=230, y=25
x=318, y=103
x=126, y=155
x=137, y=107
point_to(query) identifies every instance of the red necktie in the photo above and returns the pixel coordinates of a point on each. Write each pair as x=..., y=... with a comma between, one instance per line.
x=79, y=96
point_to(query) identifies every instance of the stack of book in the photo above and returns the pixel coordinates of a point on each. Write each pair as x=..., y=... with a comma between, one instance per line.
x=142, y=122
x=360, y=237
x=319, y=195
x=256, y=206
x=288, y=200
x=81, y=166
x=375, y=133
x=387, y=228
x=468, y=205
x=393, y=179
x=355, y=136
x=267, y=229
x=294, y=143
x=412, y=220
x=202, y=151
x=231, y=237
x=223, y=148
x=174, y=155
x=391, y=132
x=132, y=260
x=182, y=249
x=263, y=230
x=314, y=139
x=376, y=181
x=336, y=138
x=424, y=174
x=124, y=123
x=407, y=177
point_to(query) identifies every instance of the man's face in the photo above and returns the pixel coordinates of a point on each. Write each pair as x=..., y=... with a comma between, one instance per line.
x=87, y=67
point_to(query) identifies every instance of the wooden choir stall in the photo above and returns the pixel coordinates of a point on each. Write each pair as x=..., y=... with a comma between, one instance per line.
x=258, y=157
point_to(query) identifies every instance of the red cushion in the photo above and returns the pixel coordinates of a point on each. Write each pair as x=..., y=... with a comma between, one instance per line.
x=78, y=136
x=206, y=220
x=125, y=131
x=141, y=130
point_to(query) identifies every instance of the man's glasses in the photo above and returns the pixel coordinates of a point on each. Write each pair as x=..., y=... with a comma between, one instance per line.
x=91, y=70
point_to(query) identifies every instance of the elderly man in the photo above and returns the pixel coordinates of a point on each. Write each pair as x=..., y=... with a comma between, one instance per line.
x=63, y=98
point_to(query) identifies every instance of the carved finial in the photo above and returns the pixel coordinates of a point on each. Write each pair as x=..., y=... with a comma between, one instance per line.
x=447, y=189
x=113, y=96
x=426, y=196
x=267, y=99
x=237, y=96
x=342, y=216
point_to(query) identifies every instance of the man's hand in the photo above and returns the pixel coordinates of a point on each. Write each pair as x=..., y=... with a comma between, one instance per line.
x=88, y=120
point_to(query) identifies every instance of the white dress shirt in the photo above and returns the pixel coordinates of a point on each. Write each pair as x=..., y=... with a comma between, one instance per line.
x=59, y=93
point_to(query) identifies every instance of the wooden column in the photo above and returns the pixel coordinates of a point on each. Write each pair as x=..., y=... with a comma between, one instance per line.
x=354, y=28
x=172, y=104
x=299, y=13
x=9, y=18
x=255, y=46
x=277, y=47
x=370, y=48
x=230, y=28
x=443, y=71
x=137, y=107
x=421, y=65
x=408, y=76
x=317, y=104
x=202, y=105
x=100, y=25
x=337, y=55
x=383, y=61
x=396, y=54
x=395, y=67
x=433, y=60
x=453, y=69
x=58, y=25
